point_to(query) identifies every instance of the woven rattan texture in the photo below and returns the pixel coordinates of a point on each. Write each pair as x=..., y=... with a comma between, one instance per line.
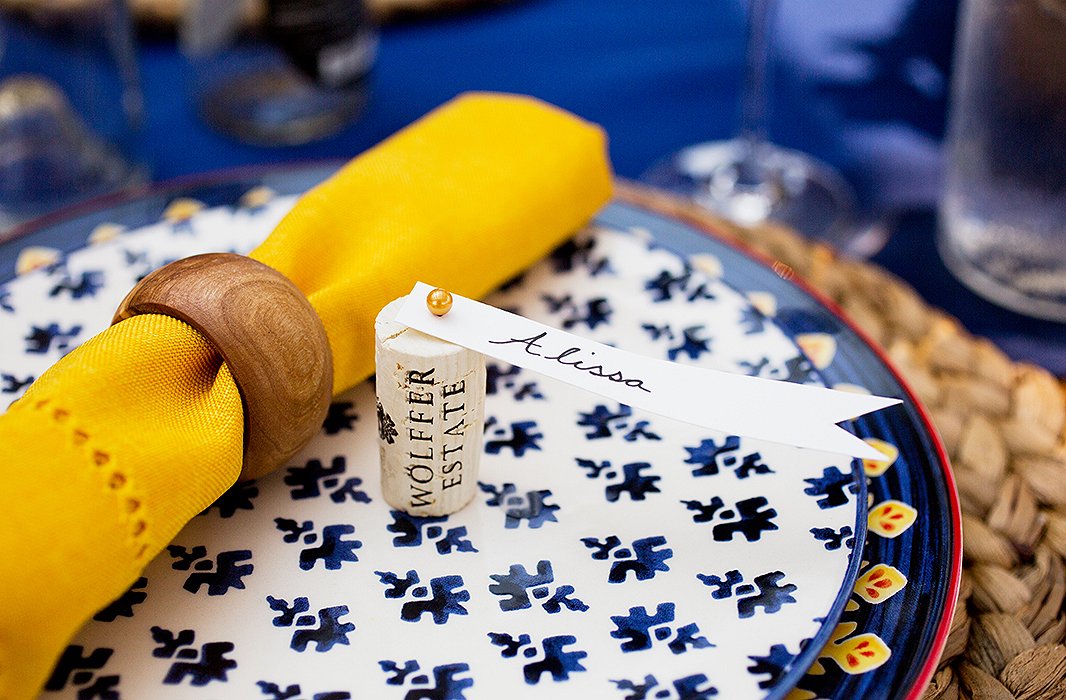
x=1004, y=427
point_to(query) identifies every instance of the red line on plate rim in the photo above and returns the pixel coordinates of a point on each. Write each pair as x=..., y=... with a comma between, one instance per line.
x=944, y=627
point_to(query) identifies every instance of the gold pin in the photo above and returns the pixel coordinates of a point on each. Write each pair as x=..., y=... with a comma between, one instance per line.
x=439, y=301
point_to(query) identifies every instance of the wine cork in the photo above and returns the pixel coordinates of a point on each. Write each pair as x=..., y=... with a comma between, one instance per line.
x=431, y=415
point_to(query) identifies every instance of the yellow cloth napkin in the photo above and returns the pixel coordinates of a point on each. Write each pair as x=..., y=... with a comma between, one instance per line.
x=115, y=448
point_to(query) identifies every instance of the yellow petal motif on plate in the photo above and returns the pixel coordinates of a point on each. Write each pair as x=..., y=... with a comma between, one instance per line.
x=891, y=518
x=820, y=348
x=764, y=302
x=182, y=209
x=34, y=258
x=878, y=467
x=880, y=583
x=839, y=632
x=859, y=654
x=102, y=233
x=257, y=197
x=708, y=264
x=851, y=388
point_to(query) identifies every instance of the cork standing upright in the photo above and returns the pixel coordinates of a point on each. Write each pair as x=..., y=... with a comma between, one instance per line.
x=431, y=405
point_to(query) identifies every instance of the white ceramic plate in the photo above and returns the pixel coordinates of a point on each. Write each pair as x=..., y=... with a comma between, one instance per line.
x=609, y=554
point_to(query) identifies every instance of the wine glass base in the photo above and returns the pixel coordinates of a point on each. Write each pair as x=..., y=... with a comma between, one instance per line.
x=274, y=105
x=51, y=158
x=752, y=183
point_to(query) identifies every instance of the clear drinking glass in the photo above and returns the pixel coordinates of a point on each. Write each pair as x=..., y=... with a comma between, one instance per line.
x=1003, y=212
x=70, y=106
x=750, y=180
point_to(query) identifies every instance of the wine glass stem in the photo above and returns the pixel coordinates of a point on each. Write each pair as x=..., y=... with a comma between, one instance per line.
x=753, y=115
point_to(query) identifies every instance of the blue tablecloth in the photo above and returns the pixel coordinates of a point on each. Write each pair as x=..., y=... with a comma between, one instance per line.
x=861, y=85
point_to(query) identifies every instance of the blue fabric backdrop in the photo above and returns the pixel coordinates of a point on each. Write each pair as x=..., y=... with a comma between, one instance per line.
x=862, y=85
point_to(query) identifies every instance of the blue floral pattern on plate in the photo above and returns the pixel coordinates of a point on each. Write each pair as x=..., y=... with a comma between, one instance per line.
x=610, y=553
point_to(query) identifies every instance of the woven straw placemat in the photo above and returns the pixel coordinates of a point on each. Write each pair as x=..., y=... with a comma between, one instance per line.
x=1004, y=427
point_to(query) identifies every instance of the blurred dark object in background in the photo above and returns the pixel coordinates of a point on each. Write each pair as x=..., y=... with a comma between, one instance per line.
x=302, y=77
x=169, y=13
x=67, y=135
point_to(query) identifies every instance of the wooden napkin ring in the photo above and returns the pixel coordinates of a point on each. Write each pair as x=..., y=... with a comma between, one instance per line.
x=269, y=335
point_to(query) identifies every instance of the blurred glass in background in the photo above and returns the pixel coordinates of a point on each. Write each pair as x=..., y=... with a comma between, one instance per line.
x=1003, y=213
x=279, y=73
x=69, y=129
x=751, y=180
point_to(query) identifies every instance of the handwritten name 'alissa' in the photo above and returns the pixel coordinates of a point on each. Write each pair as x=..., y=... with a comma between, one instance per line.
x=567, y=358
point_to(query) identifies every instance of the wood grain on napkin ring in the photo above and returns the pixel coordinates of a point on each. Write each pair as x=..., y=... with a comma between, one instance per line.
x=269, y=335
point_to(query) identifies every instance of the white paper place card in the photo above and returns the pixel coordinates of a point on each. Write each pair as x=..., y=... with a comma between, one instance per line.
x=793, y=414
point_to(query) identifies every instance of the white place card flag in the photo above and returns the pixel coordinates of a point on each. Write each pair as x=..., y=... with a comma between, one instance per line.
x=765, y=409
